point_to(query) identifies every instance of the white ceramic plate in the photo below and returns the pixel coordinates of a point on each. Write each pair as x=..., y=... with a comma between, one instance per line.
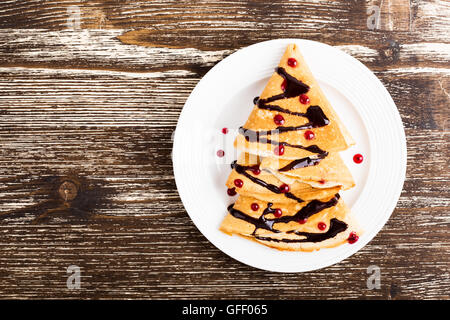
x=223, y=98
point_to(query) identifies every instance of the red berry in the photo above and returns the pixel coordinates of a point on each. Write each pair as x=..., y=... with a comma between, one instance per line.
x=352, y=238
x=302, y=221
x=309, y=135
x=256, y=170
x=304, y=99
x=283, y=85
x=279, y=151
x=255, y=206
x=292, y=62
x=321, y=226
x=278, y=119
x=220, y=153
x=231, y=192
x=224, y=130
x=322, y=181
x=284, y=188
x=358, y=158
x=238, y=183
x=277, y=213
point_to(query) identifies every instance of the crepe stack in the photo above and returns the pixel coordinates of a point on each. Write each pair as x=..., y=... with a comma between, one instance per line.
x=289, y=173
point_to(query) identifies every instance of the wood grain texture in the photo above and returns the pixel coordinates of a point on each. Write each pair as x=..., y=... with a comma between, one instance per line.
x=98, y=106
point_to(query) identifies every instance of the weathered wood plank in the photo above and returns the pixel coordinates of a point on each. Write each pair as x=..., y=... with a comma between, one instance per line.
x=114, y=255
x=101, y=50
x=225, y=24
x=84, y=98
x=133, y=180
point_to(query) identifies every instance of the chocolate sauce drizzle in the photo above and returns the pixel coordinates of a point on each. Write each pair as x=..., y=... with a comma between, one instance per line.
x=336, y=226
x=304, y=162
x=315, y=115
x=310, y=209
x=260, y=223
x=313, y=207
x=258, y=136
x=293, y=88
x=243, y=170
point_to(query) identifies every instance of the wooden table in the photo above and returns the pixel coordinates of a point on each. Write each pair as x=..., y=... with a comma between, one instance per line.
x=87, y=116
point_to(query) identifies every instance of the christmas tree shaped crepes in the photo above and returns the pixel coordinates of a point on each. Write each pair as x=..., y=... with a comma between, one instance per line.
x=289, y=174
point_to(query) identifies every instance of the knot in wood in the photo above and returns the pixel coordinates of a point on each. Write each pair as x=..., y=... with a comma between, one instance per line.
x=68, y=190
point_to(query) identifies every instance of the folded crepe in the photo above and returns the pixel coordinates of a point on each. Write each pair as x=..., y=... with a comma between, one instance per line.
x=319, y=172
x=266, y=186
x=297, y=227
x=265, y=135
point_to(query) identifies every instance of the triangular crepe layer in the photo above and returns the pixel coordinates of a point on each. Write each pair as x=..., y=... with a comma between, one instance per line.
x=318, y=172
x=286, y=232
x=257, y=137
x=264, y=185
